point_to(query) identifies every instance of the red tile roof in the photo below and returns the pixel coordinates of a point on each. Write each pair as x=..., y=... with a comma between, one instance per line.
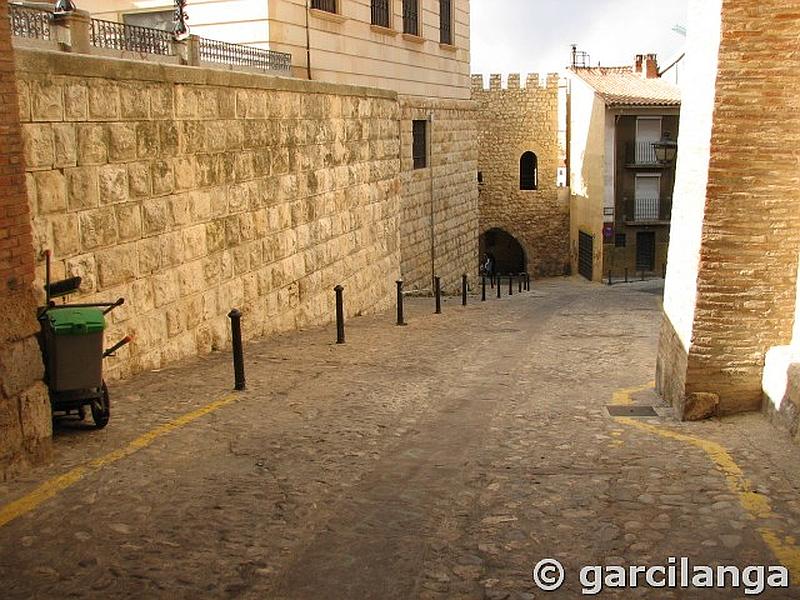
x=620, y=86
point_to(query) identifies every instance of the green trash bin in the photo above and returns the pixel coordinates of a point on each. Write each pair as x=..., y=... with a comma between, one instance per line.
x=74, y=345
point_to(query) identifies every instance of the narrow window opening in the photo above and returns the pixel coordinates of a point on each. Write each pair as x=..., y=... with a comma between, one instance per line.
x=528, y=172
x=420, y=144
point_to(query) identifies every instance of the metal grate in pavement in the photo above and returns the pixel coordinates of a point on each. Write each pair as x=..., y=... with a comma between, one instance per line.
x=633, y=410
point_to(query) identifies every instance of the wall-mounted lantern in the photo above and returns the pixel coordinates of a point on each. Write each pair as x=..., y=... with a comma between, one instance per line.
x=64, y=7
x=181, y=27
x=666, y=149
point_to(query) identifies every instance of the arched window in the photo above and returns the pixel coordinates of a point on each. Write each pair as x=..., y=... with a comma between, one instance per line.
x=528, y=172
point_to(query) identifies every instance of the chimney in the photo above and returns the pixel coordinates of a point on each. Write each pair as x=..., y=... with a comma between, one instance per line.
x=637, y=64
x=646, y=66
x=651, y=66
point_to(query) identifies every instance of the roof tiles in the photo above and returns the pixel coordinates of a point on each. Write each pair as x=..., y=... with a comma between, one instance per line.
x=620, y=86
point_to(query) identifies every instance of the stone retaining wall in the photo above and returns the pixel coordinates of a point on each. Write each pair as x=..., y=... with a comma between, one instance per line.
x=192, y=191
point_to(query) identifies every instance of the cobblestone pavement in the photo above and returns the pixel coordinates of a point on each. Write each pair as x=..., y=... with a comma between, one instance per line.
x=439, y=460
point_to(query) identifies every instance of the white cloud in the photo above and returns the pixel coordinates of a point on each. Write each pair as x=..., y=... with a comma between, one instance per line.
x=510, y=36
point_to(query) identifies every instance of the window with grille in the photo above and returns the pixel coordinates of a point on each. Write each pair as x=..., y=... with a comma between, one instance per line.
x=380, y=12
x=326, y=5
x=528, y=172
x=411, y=17
x=446, y=21
x=420, y=144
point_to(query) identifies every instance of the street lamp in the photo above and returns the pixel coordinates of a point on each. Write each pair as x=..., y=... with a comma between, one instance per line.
x=181, y=28
x=665, y=149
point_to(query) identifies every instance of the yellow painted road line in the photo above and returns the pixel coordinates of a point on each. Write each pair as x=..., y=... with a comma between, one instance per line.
x=53, y=486
x=783, y=546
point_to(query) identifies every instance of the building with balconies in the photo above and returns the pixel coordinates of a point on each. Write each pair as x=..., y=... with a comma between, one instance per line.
x=619, y=117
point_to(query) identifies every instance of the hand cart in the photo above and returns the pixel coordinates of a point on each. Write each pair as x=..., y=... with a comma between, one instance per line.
x=72, y=349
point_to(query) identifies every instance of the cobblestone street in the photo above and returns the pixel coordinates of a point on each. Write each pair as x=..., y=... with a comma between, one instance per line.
x=439, y=460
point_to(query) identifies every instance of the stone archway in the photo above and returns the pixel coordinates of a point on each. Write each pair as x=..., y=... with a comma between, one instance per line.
x=509, y=255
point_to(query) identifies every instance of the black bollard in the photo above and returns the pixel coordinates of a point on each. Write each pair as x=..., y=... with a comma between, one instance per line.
x=400, y=320
x=464, y=289
x=528, y=282
x=339, y=314
x=483, y=288
x=491, y=280
x=626, y=274
x=238, y=353
x=510, y=285
x=519, y=285
x=642, y=274
x=437, y=291
x=498, y=286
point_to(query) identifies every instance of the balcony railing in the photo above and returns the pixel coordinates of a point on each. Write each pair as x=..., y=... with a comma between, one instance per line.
x=647, y=209
x=380, y=13
x=131, y=38
x=640, y=153
x=109, y=38
x=30, y=22
x=213, y=51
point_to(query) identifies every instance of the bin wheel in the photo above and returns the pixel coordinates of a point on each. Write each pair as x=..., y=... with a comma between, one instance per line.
x=101, y=408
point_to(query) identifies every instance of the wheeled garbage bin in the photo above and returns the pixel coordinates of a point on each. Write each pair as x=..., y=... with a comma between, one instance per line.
x=74, y=344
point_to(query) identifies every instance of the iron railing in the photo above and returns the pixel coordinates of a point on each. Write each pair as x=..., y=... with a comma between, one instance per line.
x=214, y=51
x=446, y=22
x=30, y=22
x=380, y=13
x=133, y=38
x=411, y=17
x=640, y=153
x=326, y=5
x=648, y=208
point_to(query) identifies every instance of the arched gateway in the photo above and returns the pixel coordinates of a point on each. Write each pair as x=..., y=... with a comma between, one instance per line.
x=507, y=252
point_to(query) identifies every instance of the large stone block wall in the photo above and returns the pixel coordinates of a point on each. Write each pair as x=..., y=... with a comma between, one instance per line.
x=25, y=425
x=451, y=219
x=733, y=297
x=192, y=191
x=513, y=121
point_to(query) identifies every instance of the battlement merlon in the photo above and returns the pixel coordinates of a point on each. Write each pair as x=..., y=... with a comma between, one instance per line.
x=533, y=82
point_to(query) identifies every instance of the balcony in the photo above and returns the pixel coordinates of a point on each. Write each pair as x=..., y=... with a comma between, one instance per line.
x=647, y=210
x=641, y=154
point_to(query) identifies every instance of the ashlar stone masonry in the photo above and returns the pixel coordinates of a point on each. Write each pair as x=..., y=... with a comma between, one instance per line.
x=192, y=191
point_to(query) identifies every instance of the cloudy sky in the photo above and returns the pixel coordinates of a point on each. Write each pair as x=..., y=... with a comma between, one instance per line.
x=511, y=36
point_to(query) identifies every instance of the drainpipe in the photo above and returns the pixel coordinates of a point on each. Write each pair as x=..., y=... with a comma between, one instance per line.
x=308, y=39
x=433, y=221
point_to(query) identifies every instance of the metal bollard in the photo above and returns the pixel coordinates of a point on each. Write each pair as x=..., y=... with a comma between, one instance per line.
x=626, y=274
x=491, y=280
x=642, y=274
x=510, y=285
x=483, y=288
x=464, y=289
x=498, y=286
x=528, y=282
x=400, y=320
x=238, y=353
x=437, y=290
x=339, y=314
x=519, y=285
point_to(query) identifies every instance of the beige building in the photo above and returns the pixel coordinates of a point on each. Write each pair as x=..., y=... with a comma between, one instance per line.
x=418, y=48
x=621, y=193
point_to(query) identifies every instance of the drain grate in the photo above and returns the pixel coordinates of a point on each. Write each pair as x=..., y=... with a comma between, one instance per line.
x=634, y=410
